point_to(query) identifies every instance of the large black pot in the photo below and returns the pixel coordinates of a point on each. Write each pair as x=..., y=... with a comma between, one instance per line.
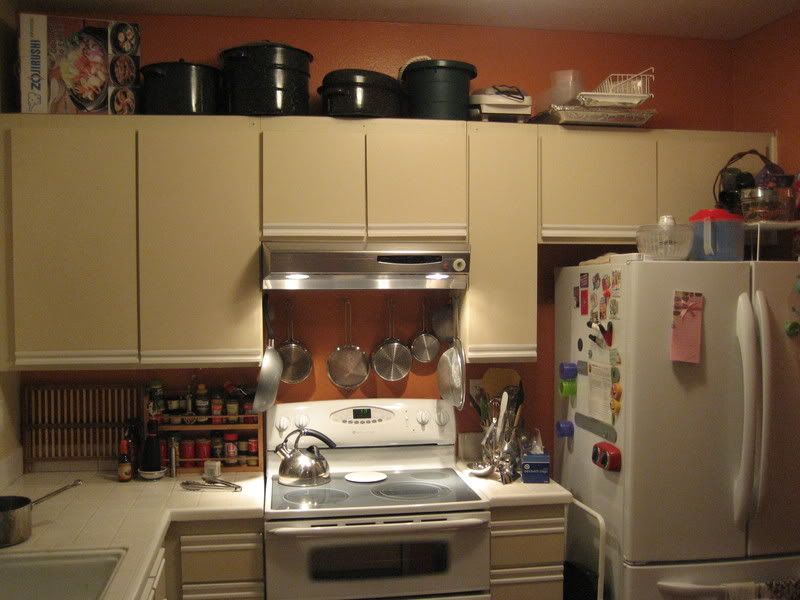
x=439, y=89
x=360, y=93
x=266, y=78
x=181, y=88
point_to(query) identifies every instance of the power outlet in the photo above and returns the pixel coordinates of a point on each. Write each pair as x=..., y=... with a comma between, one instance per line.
x=474, y=388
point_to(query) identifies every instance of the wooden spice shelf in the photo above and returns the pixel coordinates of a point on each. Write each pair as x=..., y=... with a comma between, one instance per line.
x=212, y=426
x=225, y=469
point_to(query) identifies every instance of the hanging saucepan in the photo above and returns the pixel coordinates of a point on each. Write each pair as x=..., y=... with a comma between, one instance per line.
x=15, y=515
x=348, y=365
x=296, y=357
x=451, y=372
x=425, y=347
x=392, y=359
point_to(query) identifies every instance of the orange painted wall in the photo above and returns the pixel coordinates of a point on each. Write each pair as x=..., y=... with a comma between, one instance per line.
x=766, y=85
x=691, y=83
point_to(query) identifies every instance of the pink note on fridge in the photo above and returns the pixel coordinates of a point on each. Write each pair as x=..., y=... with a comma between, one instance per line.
x=687, y=326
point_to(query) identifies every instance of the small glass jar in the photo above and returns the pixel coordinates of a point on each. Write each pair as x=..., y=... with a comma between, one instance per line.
x=232, y=410
x=242, y=446
x=217, y=445
x=217, y=409
x=187, y=453
x=202, y=449
x=231, y=449
x=252, y=452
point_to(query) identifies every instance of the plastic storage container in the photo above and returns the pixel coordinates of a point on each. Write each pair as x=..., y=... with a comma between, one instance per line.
x=718, y=235
x=665, y=241
x=439, y=89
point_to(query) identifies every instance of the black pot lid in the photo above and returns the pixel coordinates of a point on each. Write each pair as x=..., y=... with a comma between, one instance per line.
x=361, y=77
x=442, y=64
x=266, y=44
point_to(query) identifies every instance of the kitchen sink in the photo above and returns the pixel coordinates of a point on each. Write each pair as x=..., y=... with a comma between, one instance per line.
x=67, y=575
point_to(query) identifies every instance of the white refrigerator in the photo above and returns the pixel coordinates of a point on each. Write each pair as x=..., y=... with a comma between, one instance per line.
x=706, y=502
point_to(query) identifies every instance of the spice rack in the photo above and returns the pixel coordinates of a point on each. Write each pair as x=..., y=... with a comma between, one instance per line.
x=256, y=427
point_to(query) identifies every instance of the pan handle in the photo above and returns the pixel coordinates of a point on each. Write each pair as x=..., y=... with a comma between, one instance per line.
x=75, y=483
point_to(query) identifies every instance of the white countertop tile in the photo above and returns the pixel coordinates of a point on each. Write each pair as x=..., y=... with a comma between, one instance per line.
x=104, y=513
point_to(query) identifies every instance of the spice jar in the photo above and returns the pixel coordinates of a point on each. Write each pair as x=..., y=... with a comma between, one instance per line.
x=217, y=445
x=202, y=403
x=250, y=415
x=252, y=452
x=202, y=449
x=242, y=447
x=217, y=408
x=231, y=449
x=187, y=453
x=232, y=409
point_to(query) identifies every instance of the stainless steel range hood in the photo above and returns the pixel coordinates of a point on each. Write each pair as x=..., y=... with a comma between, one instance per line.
x=343, y=266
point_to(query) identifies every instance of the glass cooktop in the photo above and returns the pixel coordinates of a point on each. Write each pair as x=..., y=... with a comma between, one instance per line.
x=428, y=486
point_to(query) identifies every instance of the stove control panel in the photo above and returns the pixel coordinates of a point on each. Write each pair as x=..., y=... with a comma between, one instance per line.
x=366, y=422
x=362, y=415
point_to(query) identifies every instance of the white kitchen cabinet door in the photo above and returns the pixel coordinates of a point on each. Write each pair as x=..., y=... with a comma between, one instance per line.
x=688, y=163
x=73, y=194
x=598, y=184
x=498, y=321
x=416, y=179
x=313, y=177
x=200, y=298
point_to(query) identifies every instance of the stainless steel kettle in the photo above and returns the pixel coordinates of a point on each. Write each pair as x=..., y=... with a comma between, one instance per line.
x=303, y=468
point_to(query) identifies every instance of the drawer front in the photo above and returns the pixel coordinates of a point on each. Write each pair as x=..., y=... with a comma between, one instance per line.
x=222, y=558
x=531, y=583
x=527, y=542
x=223, y=591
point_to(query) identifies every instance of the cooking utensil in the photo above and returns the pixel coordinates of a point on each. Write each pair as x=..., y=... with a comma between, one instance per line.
x=181, y=88
x=348, y=365
x=269, y=376
x=361, y=93
x=391, y=360
x=266, y=78
x=15, y=515
x=451, y=373
x=296, y=357
x=303, y=468
x=425, y=347
x=501, y=419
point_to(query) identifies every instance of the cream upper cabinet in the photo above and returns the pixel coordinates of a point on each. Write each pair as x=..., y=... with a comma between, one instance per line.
x=688, y=163
x=313, y=174
x=200, y=298
x=598, y=184
x=498, y=320
x=416, y=179
x=73, y=193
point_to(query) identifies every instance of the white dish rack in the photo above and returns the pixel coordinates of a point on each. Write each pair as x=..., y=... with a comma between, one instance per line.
x=621, y=89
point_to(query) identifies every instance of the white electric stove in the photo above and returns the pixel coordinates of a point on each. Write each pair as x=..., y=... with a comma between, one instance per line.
x=419, y=532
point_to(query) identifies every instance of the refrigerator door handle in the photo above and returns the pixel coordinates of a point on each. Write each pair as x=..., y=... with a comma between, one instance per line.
x=748, y=346
x=765, y=337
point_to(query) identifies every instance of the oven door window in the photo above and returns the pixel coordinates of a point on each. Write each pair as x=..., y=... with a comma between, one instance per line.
x=374, y=561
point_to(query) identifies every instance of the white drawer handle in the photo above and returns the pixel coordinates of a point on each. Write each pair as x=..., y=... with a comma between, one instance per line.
x=378, y=528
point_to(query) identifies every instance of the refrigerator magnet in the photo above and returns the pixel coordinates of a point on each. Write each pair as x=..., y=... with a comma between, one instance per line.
x=576, y=296
x=687, y=326
x=584, y=281
x=584, y=302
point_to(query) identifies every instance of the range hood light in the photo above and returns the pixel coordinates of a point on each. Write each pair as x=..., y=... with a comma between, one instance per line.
x=437, y=276
x=297, y=276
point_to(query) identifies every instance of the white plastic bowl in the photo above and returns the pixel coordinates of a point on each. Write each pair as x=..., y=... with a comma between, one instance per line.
x=657, y=242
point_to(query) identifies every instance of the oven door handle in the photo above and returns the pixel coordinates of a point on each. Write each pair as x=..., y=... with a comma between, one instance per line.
x=378, y=528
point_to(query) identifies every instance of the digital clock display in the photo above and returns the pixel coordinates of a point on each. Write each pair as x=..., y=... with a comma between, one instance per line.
x=362, y=413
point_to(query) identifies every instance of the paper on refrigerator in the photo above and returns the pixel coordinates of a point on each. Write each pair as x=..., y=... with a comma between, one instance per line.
x=600, y=392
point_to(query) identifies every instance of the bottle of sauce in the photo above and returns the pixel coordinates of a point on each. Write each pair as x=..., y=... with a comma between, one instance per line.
x=124, y=466
x=151, y=456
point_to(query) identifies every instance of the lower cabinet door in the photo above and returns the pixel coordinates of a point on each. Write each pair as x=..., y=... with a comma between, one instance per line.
x=232, y=557
x=223, y=591
x=530, y=583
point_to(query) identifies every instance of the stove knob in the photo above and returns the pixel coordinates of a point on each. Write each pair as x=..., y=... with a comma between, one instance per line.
x=301, y=421
x=442, y=418
x=282, y=424
x=423, y=418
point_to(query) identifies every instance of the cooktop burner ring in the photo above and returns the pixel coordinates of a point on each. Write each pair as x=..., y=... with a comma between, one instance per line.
x=408, y=491
x=315, y=497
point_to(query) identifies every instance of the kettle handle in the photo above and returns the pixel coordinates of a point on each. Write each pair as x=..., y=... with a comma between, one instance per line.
x=317, y=434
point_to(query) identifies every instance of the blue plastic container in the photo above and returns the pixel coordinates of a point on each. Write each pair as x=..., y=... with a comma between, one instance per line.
x=718, y=235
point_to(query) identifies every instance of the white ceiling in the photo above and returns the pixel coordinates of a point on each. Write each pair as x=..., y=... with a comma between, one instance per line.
x=712, y=19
